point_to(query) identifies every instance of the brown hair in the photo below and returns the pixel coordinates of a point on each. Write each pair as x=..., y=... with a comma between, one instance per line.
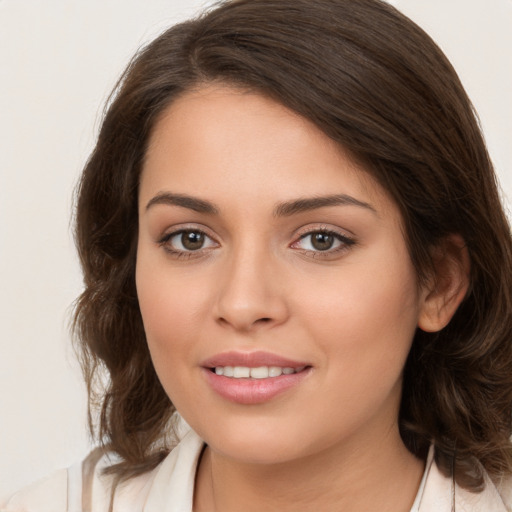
x=378, y=85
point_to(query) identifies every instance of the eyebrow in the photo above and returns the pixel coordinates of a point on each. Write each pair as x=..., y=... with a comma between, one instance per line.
x=306, y=204
x=192, y=203
x=285, y=209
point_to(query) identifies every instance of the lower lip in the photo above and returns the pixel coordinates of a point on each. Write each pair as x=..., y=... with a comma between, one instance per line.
x=253, y=391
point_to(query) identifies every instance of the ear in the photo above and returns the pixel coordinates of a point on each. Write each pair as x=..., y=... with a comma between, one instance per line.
x=448, y=284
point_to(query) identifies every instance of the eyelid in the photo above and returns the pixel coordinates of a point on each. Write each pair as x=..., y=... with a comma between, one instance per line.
x=179, y=228
x=345, y=237
x=346, y=240
x=176, y=230
x=324, y=228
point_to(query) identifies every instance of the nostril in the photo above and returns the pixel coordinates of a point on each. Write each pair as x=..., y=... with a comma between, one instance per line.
x=246, y=320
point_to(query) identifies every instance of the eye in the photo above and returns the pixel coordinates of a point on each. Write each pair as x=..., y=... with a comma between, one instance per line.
x=323, y=241
x=186, y=241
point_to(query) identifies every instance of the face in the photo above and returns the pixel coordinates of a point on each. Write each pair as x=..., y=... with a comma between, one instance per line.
x=277, y=293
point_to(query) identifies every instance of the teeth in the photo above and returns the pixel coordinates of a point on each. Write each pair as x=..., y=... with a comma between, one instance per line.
x=262, y=372
x=259, y=373
x=275, y=371
x=241, y=372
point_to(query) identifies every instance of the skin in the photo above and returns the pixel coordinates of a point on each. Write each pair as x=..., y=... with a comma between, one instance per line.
x=258, y=283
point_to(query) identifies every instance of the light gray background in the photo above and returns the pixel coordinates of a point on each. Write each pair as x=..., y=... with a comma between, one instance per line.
x=58, y=61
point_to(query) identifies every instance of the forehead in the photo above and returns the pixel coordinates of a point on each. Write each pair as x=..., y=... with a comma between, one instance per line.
x=218, y=138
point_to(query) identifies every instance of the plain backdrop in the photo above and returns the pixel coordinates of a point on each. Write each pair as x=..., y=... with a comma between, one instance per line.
x=58, y=61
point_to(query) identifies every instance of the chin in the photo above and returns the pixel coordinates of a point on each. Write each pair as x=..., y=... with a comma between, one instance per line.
x=262, y=441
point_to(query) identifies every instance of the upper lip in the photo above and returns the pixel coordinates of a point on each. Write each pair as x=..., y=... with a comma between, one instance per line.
x=251, y=360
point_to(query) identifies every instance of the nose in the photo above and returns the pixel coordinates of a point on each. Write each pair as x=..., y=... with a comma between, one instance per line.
x=251, y=292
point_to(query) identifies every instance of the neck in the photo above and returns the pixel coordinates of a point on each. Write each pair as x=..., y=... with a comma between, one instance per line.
x=382, y=476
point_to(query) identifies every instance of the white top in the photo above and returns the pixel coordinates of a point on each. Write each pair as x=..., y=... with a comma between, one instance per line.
x=170, y=488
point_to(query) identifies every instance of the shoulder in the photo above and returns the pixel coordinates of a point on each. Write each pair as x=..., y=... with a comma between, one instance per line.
x=493, y=498
x=85, y=486
x=504, y=489
x=441, y=494
x=49, y=494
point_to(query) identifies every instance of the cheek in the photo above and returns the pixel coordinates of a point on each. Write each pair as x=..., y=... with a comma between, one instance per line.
x=168, y=315
x=171, y=310
x=171, y=297
x=365, y=319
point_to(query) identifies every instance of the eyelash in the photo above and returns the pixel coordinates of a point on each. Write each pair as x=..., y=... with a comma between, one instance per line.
x=345, y=243
x=164, y=242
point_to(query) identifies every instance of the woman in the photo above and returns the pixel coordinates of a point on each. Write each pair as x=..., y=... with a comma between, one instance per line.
x=291, y=235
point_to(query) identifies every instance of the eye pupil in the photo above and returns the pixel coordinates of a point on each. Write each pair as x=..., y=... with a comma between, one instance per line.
x=192, y=240
x=322, y=241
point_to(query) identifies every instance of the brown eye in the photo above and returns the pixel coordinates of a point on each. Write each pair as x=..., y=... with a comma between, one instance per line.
x=187, y=241
x=319, y=241
x=192, y=240
x=322, y=241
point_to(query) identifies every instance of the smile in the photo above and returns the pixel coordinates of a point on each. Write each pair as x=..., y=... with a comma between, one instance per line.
x=261, y=372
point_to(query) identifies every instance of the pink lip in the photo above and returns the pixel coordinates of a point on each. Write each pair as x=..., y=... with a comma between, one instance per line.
x=251, y=360
x=252, y=391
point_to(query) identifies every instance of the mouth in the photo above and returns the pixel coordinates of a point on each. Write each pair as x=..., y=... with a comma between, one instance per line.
x=253, y=378
x=260, y=372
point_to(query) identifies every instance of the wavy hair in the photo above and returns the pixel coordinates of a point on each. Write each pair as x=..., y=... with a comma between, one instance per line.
x=375, y=83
